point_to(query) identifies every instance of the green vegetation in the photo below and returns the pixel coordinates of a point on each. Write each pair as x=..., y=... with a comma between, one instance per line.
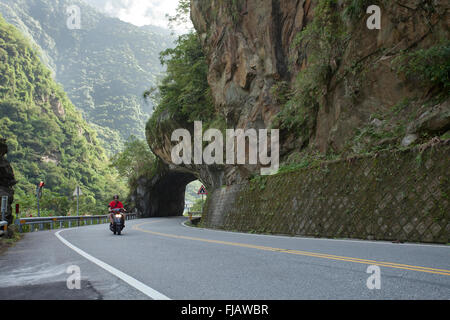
x=183, y=95
x=198, y=206
x=429, y=66
x=135, y=161
x=184, y=92
x=446, y=136
x=355, y=9
x=11, y=238
x=104, y=67
x=258, y=182
x=47, y=138
x=324, y=39
x=191, y=191
x=182, y=14
x=292, y=167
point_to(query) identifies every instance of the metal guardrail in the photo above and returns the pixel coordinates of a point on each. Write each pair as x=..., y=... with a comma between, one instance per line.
x=191, y=215
x=195, y=217
x=63, y=221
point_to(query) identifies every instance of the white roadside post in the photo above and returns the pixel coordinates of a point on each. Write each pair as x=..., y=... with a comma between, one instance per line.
x=4, y=207
x=77, y=193
x=39, y=188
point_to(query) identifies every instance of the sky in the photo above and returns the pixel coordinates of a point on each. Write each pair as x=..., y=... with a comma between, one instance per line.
x=140, y=12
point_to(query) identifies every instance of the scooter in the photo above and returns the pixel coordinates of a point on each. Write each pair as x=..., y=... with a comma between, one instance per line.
x=118, y=221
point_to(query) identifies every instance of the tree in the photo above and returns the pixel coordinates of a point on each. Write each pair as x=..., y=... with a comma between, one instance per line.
x=135, y=160
x=182, y=14
x=184, y=92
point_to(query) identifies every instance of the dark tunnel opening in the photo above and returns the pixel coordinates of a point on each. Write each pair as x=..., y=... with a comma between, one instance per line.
x=167, y=196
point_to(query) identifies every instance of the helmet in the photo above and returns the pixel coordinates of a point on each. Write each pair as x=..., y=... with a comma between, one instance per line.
x=116, y=197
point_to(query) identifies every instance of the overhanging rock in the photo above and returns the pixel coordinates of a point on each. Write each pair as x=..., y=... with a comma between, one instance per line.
x=163, y=194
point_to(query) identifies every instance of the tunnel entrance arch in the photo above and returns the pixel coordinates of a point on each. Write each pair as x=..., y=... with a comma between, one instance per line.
x=166, y=197
x=163, y=194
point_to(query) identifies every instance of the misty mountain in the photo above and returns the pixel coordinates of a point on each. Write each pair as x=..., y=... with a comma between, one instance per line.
x=104, y=66
x=47, y=138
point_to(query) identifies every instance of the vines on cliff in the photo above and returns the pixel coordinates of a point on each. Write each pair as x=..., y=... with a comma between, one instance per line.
x=322, y=44
x=430, y=66
x=183, y=96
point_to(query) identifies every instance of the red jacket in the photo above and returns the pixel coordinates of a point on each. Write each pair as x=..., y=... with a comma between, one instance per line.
x=115, y=205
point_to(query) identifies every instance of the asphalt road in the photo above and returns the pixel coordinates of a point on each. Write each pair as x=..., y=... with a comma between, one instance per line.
x=162, y=259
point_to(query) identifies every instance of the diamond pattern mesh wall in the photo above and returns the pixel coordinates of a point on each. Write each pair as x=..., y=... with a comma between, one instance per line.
x=401, y=195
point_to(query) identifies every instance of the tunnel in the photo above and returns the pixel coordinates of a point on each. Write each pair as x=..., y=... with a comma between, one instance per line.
x=167, y=198
x=163, y=195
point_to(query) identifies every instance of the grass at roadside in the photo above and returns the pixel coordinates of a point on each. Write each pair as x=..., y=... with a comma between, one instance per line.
x=194, y=222
x=8, y=242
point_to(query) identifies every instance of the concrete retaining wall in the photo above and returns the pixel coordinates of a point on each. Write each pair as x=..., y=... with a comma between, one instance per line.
x=402, y=195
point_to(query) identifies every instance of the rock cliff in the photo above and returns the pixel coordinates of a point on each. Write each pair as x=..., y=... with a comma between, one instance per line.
x=252, y=49
x=314, y=70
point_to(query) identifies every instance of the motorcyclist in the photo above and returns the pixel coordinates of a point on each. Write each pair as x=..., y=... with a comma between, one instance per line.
x=115, y=204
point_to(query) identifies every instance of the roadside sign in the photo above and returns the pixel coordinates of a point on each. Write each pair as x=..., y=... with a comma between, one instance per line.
x=202, y=190
x=39, y=189
x=4, y=207
x=4, y=203
x=77, y=192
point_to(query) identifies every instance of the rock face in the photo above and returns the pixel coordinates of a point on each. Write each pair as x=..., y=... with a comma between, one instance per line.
x=248, y=54
x=432, y=121
x=249, y=48
x=159, y=140
x=6, y=179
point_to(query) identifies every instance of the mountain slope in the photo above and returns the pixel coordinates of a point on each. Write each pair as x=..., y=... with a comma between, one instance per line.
x=104, y=67
x=47, y=137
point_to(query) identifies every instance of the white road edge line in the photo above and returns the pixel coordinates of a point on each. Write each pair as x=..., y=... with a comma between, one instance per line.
x=119, y=274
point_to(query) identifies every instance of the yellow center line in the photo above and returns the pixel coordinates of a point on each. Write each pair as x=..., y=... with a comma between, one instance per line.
x=298, y=252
